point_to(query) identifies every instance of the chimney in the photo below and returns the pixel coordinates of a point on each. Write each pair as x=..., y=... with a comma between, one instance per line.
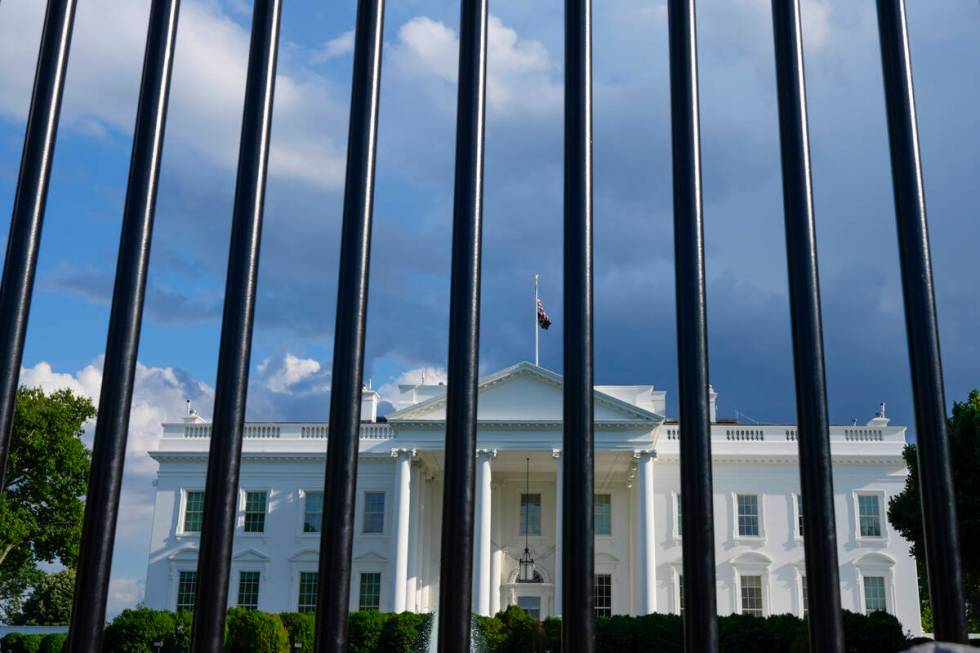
x=369, y=404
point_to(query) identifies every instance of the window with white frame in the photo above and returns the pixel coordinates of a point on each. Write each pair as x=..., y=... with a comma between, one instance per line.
x=748, y=515
x=751, y=595
x=530, y=605
x=307, y=591
x=602, y=595
x=603, y=514
x=369, y=597
x=530, y=514
x=874, y=594
x=186, y=589
x=312, y=512
x=248, y=590
x=193, y=511
x=679, y=514
x=374, y=512
x=255, y=511
x=869, y=515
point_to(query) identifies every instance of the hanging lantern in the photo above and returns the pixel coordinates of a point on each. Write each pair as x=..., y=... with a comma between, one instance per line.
x=526, y=572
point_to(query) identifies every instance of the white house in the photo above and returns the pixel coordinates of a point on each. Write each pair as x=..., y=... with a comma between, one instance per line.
x=759, y=549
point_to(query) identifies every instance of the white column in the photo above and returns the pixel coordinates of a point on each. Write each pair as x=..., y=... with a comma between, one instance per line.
x=403, y=506
x=647, y=563
x=411, y=585
x=496, y=555
x=559, y=502
x=481, y=534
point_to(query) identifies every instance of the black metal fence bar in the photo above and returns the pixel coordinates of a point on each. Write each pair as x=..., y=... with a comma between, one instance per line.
x=578, y=539
x=456, y=579
x=816, y=477
x=20, y=263
x=337, y=537
x=224, y=460
x=700, y=614
x=935, y=476
x=119, y=368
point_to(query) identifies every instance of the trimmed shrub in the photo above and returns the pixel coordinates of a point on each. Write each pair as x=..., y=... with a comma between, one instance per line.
x=364, y=631
x=552, y=634
x=53, y=643
x=251, y=631
x=135, y=631
x=403, y=632
x=879, y=631
x=524, y=633
x=300, y=629
x=21, y=643
x=488, y=633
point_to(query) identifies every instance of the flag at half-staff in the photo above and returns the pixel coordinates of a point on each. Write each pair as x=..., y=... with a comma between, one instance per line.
x=543, y=320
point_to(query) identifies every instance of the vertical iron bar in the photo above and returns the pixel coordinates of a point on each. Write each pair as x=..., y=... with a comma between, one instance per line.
x=224, y=460
x=340, y=482
x=20, y=264
x=940, y=529
x=122, y=347
x=456, y=579
x=700, y=614
x=816, y=476
x=578, y=540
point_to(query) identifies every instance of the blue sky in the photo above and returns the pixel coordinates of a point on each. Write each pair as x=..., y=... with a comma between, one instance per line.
x=751, y=365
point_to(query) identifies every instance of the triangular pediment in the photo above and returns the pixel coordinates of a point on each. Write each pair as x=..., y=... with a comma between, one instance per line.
x=525, y=393
x=250, y=555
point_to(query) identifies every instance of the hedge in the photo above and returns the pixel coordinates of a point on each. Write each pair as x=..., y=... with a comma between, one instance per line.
x=53, y=643
x=21, y=643
x=510, y=631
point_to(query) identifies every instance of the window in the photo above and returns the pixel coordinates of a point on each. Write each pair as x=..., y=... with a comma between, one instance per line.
x=530, y=514
x=248, y=590
x=799, y=515
x=255, y=512
x=193, y=511
x=186, y=588
x=370, y=595
x=374, y=512
x=874, y=594
x=806, y=599
x=752, y=595
x=679, y=511
x=869, y=515
x=531, y=605
x=312, y=512
x=307, y=591
x=603, y=514
x=602, y=595
x=680, y=593
x=748, y=515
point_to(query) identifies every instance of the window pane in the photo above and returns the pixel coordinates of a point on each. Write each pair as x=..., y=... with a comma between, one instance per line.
x=603, y=514
x=254, y=512
x=603, y=595
x=307, y=591
x=680, y=515
x=752, y=595
x=870, y=515
x=193, y=511
x=530, y=514
x=313, y=512
x=374, y=512
x=370, y=595
x=531, y=605
x=186, y=587
x=874, y=594
x=748, y=515
x=799, y=515
x=248, y=590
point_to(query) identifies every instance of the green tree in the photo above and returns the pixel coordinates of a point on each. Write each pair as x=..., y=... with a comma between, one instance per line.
x=41, y=503
x=251, y=631
x=905, y=511
x=49, y=603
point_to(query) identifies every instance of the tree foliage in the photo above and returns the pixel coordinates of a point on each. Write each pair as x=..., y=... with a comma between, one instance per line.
x=41, y=503
x=251, y=631
x=49, y=603
x=905, y=510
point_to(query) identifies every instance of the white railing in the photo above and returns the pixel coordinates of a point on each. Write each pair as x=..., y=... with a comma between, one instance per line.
x=783, y=433
x=285, y=431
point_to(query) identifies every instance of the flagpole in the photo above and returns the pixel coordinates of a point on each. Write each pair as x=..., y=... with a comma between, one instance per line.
x=537, y=329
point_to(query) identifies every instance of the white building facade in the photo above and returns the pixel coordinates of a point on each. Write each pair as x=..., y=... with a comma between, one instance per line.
x=758, y=542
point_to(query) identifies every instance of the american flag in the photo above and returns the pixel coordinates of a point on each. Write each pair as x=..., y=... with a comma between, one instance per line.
x=543, y=320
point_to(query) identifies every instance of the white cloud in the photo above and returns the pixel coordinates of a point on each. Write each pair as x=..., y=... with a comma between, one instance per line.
x=124, y=593
x=520, y=74
x=429, y=375
x=334, y=48
x=282, y=375
x=207, y=90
